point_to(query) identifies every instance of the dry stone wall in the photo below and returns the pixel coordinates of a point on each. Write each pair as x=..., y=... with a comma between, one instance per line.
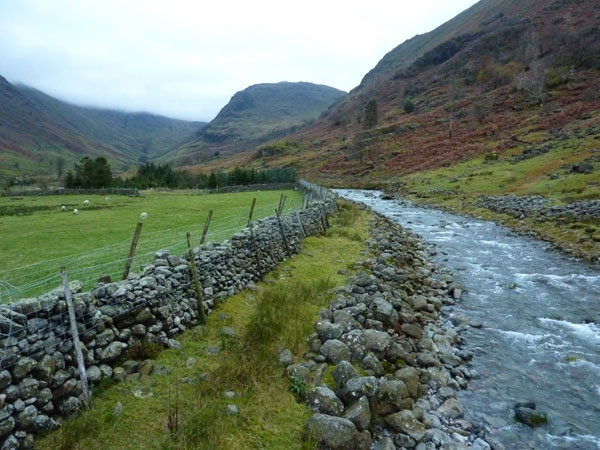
x=39, y=381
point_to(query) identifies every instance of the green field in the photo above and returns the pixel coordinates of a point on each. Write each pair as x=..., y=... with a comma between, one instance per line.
x=38, y=238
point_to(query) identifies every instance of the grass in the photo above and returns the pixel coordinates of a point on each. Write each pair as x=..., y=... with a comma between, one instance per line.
x=280, y=316
x=38, y=238
x=457, y=187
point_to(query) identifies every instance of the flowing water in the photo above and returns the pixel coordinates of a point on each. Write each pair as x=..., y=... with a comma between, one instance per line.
x=540, y=339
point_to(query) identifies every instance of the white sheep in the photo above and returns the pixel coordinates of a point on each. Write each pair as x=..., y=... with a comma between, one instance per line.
x=107, y=198
x=75, y=211
x=63, y=208
x=144, y=215
x=86, y=202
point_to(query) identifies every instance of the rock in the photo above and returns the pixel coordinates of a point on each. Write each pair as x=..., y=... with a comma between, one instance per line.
x=69, y=406
x=227, y=332
x=26, y=417
x=44, y=424
x=118, y=409
x=93, y=373
x=450, y=408
x=23, y=367
x=370, y=362
x=131, y=366
x=335, y=351
x=530, y=416
x=480, y=444
x=345, y=320
x=5, y=379
x=359, y=413
x=146, y=367
x=412, y=329
x=6, y=426
x=323, y=400
x=174, y=344
x=390, y=397
x=286, y=358
x=376, y=341
x=119, y=374
x=11, y=443
x=212, y=350
x=406, y=422
x=358, y=387
x=410, y=376
x=384, y=311
x=384, y=443
x=232, y=410
x=299, y=372
x=112, y=351
x=341, y=374
x=327, y=330
x=334, y=433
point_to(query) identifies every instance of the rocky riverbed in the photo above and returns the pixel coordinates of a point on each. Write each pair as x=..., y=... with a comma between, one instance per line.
x=385, y=363
x=540, y=207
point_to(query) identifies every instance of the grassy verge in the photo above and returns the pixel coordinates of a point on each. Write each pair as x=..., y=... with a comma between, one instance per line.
x=280, y=315
x=548, y=174
x=38, y=238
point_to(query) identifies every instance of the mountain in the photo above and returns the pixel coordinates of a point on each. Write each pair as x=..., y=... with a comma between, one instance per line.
x=257, y=114
x=37, y=130
x=501, y=76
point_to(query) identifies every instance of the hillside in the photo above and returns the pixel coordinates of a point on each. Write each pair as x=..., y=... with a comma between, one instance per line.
x=258, y=113
x=502, y=76
x=37, y=130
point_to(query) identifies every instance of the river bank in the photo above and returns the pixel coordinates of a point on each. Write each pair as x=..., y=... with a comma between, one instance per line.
x=539, y=318
x=571, y=228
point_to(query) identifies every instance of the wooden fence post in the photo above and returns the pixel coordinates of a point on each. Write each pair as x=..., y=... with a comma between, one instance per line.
x=282, y=205
x=301, y=224
x=285, y=242
x=324, y=209
x=197, y=285
x=206, y=225
x=254, y=244
x=75, y=334
x=134, y=242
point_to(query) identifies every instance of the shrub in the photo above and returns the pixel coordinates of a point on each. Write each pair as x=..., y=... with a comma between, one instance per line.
x=409, y=106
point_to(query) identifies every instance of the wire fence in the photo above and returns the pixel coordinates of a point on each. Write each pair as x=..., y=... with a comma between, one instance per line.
x=109, y=261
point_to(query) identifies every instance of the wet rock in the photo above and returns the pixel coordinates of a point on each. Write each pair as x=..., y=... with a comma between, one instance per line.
x=530, y=416
x=451, y=408
x=286, y=358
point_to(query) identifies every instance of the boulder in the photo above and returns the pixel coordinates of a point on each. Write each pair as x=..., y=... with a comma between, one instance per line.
x=334, y=433
x=323, y=400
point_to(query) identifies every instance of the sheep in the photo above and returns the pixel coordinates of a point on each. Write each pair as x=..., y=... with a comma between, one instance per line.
x=144, y=215
x=75, y=211
x=63, y=208
x=86, y=202
x=107, y=198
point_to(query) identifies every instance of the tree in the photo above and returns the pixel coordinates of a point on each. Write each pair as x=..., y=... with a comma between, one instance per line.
x=90, y=174
x=409, y=106
x=212, y=181
x=370, y=115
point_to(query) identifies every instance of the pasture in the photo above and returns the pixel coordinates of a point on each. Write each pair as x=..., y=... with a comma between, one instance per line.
x=38, y=237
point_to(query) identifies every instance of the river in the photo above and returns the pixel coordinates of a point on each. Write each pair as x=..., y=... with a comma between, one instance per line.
x=540, y=339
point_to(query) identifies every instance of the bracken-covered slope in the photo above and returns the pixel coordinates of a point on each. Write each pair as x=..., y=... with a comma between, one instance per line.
x=257, y=114
x=500, y=77
x=37, y=130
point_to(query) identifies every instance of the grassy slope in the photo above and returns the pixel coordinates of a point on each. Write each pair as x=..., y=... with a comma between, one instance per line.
x=270, y=417
x=458, y=186
x=102, y=231
x=36, y=129
x=257, y=114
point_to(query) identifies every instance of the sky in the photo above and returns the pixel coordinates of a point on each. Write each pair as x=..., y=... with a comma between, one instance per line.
x=185, y=59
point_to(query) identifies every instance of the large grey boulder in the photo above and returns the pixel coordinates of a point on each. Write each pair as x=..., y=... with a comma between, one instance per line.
x=359, y=413
x=406, y=422
x=376, y=341
x=341, y=374
x=323, y=400
x=384, y=311
x=327, y=330
x=362, y=386
x=334, y=433
x=112, y=351
x=335, y=351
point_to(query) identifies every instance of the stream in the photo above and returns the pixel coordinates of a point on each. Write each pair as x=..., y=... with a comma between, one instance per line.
x=540, y=339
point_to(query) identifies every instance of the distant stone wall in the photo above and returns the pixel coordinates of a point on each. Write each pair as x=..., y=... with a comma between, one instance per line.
x=39, y=381
x=15, y=192
x=255, y=187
